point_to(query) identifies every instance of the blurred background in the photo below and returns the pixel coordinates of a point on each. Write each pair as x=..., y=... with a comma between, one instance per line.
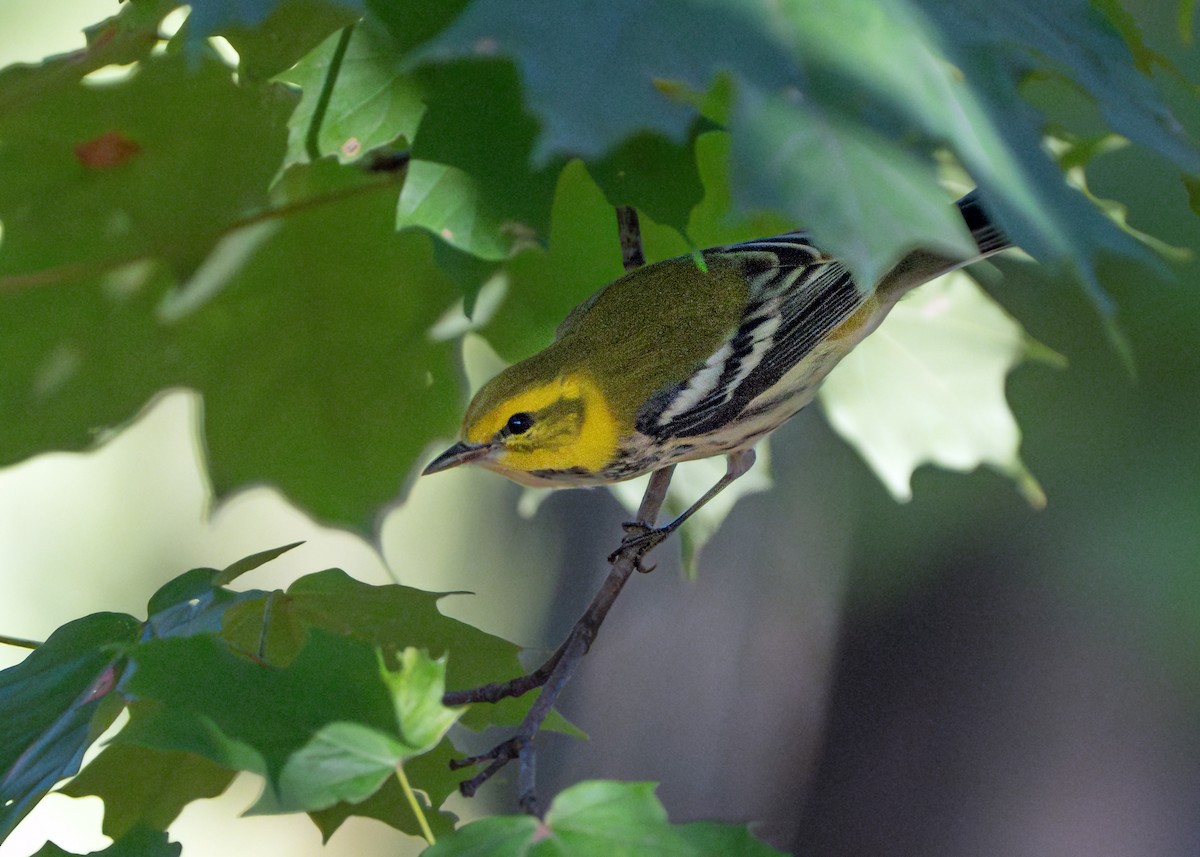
x=957, y=675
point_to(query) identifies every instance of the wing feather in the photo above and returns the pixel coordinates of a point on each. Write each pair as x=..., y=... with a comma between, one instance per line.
x=798, y=295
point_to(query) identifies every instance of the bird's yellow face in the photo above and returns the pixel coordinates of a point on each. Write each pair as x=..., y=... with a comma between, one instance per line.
x=550, y=432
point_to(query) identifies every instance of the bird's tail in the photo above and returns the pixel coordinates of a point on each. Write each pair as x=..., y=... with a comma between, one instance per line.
x=988, y=236
x=921, y=266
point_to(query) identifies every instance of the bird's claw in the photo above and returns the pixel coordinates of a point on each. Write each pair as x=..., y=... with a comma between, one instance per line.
x=641, y=538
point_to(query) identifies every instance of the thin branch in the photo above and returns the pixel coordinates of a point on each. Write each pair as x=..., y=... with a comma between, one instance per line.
x=19, y=642
x=553, y=675
x=629, y=231
x=556, y=672
x=311, y=139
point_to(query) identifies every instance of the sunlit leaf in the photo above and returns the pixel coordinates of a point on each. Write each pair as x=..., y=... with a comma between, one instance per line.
x=928, y=387
x=601, y=819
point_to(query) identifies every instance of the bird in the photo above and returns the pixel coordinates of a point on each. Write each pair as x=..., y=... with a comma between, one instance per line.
x=693, y=357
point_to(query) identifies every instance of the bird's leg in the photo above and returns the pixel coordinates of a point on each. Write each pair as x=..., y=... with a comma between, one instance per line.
x=645, y=537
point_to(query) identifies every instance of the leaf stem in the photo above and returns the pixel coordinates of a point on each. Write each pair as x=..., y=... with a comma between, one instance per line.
x=19, y=642
x=311, y=144
x=411, y=796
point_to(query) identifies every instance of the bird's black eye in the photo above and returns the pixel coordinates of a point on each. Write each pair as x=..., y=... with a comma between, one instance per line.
x=519, y=423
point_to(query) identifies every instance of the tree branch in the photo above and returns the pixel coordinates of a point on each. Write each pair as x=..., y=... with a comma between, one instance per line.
x=553, y=675
x=557, y=671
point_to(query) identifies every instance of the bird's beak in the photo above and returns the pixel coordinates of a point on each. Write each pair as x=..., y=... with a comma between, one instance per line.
x=461, y=453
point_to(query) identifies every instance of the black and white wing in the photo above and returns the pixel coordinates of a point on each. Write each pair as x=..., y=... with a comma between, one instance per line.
x=798, y=295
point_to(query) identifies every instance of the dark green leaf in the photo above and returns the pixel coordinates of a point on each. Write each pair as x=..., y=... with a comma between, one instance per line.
x=309, y=345
x=235, y=570
x=640, y=46
x=1072, y=38
x=243, y=714
x=349, y=761
x=390, y=618
x=544, y=285
x=144, y=787
x=655, y=175
x=50, y=708
x=476, y=121
x=95, y=180
x=291, y=29
x=412, y=22
x=191, y=604
x=875, y=198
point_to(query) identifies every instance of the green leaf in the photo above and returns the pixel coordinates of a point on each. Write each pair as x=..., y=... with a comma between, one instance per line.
x=928, y=386
x=341, y=762
x=447, y=202
x=235, y=570
x=389, y=804
x=544, y=285
x=657, y=176
x=349, y=762
x=476, y=121
x=868, y=199
x=310, y=349
x=373, y=102
x=603, y=819
x=417, y=689
x=245, y=715
x=50, y=708
x=558, y=48
x=125, y=38
x=344, y=332
x=94, y=179
x=270, y=44
x=141, y=842
x=144, y=787
x=391, y=618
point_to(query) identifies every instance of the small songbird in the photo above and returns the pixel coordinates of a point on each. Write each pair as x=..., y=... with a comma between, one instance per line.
x=684, y=359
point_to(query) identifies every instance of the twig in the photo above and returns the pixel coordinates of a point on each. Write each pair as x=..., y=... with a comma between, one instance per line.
x=629, y=231
x=19, y=642
x=553, y=675
x=312, y=139
x=556, y=672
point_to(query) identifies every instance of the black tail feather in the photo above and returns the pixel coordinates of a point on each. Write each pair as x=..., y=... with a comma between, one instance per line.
x=988, y=236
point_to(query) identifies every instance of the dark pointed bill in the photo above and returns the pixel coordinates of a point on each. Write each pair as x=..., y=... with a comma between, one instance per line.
x=461, y=453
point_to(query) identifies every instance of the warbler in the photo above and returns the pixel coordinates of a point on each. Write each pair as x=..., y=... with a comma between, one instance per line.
x=686, y=359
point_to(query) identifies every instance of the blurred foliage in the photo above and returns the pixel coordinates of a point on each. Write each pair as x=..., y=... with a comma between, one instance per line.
x=170, y=226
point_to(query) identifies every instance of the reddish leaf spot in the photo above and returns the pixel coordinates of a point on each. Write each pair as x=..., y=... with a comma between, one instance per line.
x=104, y=683
x=103, y=36
x=110, y=149
x=351, y=147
